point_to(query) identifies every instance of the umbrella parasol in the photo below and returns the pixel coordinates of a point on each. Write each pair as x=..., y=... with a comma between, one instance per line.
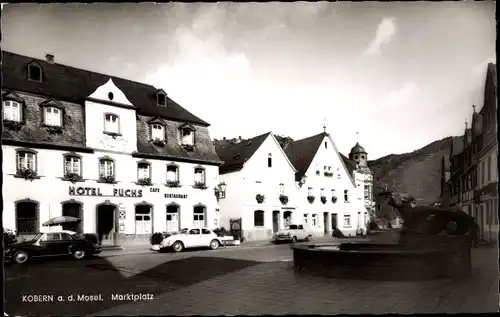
x=60, y=220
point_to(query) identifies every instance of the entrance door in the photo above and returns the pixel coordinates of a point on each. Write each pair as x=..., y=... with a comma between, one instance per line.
x=276, y=219
x=143, y=223
x=173, y=218
x=334, y=221
x=72, y=210
x=106, y=224
x=325, y=223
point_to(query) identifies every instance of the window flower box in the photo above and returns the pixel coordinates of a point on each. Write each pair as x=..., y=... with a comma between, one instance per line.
x=13, y=125
x=323, y=199
x=173, y=184
x=114, y=135
x=310, y=199
x=73, y=177
x=107, y=179
x=200, y=185
x=334, y=199
x=144, y=181
x=158, y=142
x=188, y=147
x=260, y=198
x=53, y=129
x=284, y=199
x=27, y=173
x=328, y=174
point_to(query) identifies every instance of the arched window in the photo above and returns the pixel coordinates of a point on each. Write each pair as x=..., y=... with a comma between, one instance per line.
x=73, y=209
x=72, y=165
x=26, y=159
x=269, y=160
x=199, y=216
x=143, y=170
x=258, y=218
x=27, y=217
x=172, y=174
x=106, y=167
x=173, y=224
x=199, y=175
x=143, y=223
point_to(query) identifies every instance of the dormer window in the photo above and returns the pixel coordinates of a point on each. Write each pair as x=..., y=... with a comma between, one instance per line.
x=12, y=110
x=161, y=99
x=187, y=137
x=52, y=116
x=111, y=123
x=157, y=132
x=35, y=72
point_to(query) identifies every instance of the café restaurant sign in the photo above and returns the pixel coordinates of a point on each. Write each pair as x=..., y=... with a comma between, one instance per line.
x=114, y=192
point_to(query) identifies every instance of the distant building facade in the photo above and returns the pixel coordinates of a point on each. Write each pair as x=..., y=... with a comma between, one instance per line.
x=120, y=155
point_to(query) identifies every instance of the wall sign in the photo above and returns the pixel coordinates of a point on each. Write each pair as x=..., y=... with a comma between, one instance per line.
x=93, y=191
x=176, y=196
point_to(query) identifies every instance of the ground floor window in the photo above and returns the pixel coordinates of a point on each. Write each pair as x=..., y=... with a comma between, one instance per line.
x=347, y=220
x=72, y=210
x=314, y=220
x=172, y=218
x=306, y=216
x=27, y=217
x=143, y=220
x=258, y=218
x=199, y=217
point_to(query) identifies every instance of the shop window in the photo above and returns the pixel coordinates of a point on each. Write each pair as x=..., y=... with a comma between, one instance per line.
x=143, y=224
x=27, y=217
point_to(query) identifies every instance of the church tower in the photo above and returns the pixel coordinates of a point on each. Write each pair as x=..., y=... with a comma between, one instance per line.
x=359, y=155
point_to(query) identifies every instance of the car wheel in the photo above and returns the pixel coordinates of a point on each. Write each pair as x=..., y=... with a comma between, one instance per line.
x=21, y=257
x=308, y=238
x=178, y=246
x=79, y=254
x=294, y=239
x=214, y=244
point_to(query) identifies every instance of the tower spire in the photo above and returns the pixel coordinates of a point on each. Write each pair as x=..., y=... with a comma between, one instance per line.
x=324, y=125
x=466, y=124
x=357, y=137
x=474, y=106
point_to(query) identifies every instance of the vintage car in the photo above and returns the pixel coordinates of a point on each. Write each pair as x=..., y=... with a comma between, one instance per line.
x=47, y=244
x=191, y=238
x=293, y=233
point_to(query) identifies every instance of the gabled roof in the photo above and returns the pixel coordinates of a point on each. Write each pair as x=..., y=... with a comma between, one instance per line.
x=73, y=84
x=349, y=164
x=236, y=155
x=301, y=153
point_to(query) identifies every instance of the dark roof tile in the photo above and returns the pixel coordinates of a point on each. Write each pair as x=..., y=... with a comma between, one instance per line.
x=73, y=84
x=302, y=152
x=235, y=155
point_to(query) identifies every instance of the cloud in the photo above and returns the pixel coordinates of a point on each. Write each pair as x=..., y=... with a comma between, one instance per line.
x=385, y=31
x=402, y=96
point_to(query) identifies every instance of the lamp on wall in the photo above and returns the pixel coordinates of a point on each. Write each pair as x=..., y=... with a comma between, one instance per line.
x=221, y=188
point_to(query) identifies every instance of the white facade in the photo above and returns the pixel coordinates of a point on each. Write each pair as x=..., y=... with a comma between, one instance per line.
x=135, y=211
x=487, y=211
x=348, y=215
x=255, y=177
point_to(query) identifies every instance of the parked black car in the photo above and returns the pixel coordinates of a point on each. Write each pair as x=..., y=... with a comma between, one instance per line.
x=52, y=244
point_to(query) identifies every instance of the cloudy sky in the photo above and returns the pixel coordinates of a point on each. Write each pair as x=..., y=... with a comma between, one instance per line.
x=400, y=74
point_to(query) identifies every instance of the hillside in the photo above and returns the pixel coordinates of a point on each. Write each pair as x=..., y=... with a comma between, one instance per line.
x=417, y=173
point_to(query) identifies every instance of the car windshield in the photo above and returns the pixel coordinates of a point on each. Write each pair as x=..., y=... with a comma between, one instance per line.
x=184, y=231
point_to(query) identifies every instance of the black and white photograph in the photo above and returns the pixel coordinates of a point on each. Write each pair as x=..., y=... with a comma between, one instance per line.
x=249, y=158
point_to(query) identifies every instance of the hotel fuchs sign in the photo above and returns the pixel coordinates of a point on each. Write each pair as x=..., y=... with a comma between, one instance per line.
x=116, y=192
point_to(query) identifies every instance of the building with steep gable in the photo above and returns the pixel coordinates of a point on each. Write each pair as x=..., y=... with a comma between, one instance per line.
x=120, y=155
x=260, y=188
x=328, y=196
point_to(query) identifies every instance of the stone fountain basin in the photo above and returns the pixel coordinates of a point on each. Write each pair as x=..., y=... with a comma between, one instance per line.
x=372, y=261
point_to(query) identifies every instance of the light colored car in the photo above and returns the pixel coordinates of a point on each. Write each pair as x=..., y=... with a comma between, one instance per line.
x=293, y=233
x=191, y=238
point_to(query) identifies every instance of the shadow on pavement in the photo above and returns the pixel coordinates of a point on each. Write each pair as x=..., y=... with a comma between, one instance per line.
x=26, y=285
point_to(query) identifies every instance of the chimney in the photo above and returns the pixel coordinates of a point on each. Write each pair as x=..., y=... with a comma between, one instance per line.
x=50, y=58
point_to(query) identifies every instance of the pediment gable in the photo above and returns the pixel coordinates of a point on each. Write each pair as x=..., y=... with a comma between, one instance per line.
x=34, y=63
x=187, y=125
x=157, y=120
x=10, y=95
x=51, y=103
x=109, y=92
